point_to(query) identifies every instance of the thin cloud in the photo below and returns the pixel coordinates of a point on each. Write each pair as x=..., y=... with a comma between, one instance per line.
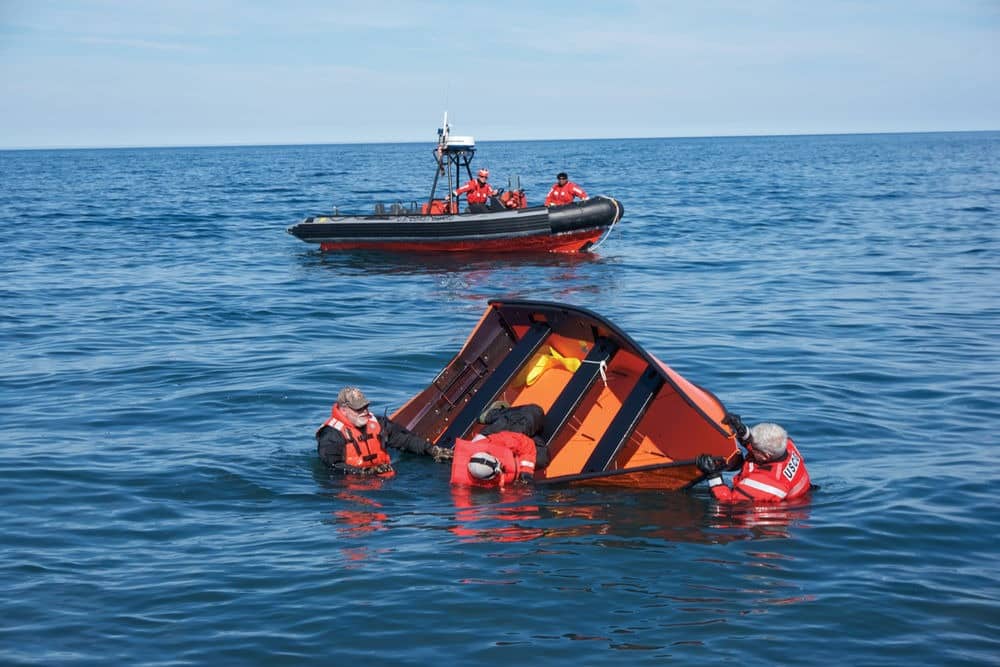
x=142, y=44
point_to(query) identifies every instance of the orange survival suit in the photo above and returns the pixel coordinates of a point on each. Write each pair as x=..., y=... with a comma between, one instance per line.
x=515, y=451
x=774, y=481
x=564, y=194
x=476, y=192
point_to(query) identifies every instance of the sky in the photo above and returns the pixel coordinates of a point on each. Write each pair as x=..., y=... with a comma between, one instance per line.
x=108, y=73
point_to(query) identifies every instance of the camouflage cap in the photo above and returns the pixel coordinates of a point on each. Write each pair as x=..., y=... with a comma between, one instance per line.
x=353, y=398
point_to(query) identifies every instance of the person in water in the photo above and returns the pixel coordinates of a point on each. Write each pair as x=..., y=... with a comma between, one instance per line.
x=564, y=191
x=507, y=451
x=353, y=441
x=773, y=469
x=477, y=192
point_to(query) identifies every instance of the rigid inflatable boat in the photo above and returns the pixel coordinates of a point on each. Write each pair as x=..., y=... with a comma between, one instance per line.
x=614, y=414
x=508, y=224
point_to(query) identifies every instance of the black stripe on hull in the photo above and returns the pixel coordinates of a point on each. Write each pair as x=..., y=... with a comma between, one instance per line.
x=625, y=421
x=574, y=391
x=495, y=383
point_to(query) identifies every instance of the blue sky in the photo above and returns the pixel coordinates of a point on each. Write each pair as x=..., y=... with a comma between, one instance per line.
x=215, y=72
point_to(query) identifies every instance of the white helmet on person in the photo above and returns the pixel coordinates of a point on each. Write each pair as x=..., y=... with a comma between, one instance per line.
x=484, y=466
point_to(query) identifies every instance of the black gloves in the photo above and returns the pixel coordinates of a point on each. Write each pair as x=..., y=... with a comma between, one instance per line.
x=440, y=454
x=373, y=470
x=525, y=478
x=710, y=465
x=740, y=429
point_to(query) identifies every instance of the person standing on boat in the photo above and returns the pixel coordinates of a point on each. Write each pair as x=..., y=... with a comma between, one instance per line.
x=564, y=191
x=477, y=192
x=772, y=471
x=353, y=441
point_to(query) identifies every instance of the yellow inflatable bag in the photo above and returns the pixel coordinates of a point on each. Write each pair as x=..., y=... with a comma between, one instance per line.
x=547, y=361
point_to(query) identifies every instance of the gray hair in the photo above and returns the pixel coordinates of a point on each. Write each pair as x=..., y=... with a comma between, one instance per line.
x=770, y=440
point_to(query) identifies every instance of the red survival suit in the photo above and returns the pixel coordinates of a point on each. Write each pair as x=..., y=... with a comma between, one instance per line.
x=478, y=193
x=362, y=449
x=515, y=451
x=775, y=481
x=563, y=194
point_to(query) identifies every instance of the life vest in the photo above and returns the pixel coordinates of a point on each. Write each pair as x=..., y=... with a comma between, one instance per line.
x=515, y=451
x=514, y=199
x=362, y=449
x=775, y=481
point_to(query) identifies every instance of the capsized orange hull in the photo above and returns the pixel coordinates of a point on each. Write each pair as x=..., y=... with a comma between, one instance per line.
x=614, y=414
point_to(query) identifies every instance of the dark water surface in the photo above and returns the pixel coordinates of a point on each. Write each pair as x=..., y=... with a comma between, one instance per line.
x=168, y=352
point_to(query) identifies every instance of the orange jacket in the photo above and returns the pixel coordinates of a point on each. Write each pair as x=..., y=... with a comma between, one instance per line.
x=364, y=449
x=776, y=481
x=515, y=451
x=564, y=194
x=478, y=193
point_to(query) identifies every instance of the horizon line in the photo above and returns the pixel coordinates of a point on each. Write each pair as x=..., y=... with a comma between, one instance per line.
x=388, y=143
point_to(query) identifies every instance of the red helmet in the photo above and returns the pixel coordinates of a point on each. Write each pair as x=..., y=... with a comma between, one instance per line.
x=484, y=173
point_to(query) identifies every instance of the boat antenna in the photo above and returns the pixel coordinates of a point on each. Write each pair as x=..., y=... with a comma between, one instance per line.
x=439, y=155
x=443, y=142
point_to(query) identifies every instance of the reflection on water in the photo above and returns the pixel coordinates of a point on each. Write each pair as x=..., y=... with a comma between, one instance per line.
x=631, y=518
x=761, y=520
x=474, y=277
x=491, y=515
x=431, y=263
x=518, y=515
x=356, y=522
x=355, y=513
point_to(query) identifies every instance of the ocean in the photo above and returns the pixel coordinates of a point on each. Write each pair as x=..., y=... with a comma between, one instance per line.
x=169, y=351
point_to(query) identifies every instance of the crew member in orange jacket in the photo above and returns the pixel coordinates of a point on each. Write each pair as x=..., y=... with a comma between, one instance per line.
x=773, y=469
x=508, y=449
x=495, y=460
x=477, y=192
x=354, y=441
x=563, y=191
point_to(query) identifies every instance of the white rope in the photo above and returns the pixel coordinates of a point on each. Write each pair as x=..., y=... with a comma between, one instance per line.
x=602, y=368
x=618, y=216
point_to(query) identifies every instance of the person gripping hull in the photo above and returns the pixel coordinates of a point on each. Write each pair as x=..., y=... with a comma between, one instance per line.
x=772, y=471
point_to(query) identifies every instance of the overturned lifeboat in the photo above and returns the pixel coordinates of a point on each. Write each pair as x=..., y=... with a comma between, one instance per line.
x=614, y=414
x=509, y=225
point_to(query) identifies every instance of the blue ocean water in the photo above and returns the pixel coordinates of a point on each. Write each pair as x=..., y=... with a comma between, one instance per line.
x=168, y=352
